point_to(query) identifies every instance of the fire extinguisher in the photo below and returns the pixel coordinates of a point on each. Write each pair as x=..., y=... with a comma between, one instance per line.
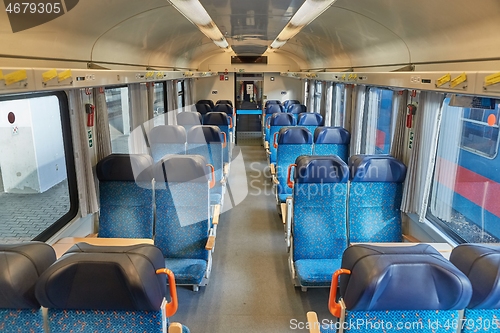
x=411, y=109
x=89, y=110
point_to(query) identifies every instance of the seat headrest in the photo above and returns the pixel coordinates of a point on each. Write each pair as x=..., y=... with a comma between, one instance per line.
x=125, y=167
x=204, y=134
x=105, y=278
x=182, y=168
x=202, y=108
x=167, y=134
x=310, y=119
x=273, y=108
x=294, y=135
x=216, y=118
x=189, y=118
x=481, y=264
x=21, y=265
x=272, y=101
x=226, y=108
x=282, y=119
x=206, y=101
x=401, y=278
x=320, y=169
x=225, y=101
x=296, y=108
x=334, y=135
x=289, y=102
x=376, y=168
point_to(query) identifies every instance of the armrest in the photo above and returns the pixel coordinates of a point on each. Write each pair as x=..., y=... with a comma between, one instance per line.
x=210, y=243
x=215, y=215
x=312, y=320
x=283, y=212
x=275, y=180
x=226, y=168
x=273, y=169
x=266, y=145
x=289, y=213
x=175, y=328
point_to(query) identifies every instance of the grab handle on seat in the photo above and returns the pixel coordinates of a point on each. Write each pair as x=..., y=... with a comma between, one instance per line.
x=224, y=144
x=288, y=177
x=275, y=144
x=171, y=307
x=334, y=307
x=212, y=170
x=230, y=122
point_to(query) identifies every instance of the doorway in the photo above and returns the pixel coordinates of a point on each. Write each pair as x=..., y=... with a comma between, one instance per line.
x=248, y=90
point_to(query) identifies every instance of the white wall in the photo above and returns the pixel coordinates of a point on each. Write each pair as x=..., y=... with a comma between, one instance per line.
x=276, y=62
x=293, y=88
x=205, y=86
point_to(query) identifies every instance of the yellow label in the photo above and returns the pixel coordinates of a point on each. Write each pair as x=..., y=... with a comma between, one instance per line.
x=492, y=79
x=343, y=77
x=159, y=75
x=443, y=79
x=150, y=75
x=49, y=75
x=459, y=79
x=14, y=77
x=1, y=75
x=64, y=75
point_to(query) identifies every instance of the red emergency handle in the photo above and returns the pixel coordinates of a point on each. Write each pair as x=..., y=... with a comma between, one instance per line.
x=89, y=110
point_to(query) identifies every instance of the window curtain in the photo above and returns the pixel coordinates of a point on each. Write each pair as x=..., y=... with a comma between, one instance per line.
x=188, y=94
x=171, y=103
x=423, y=155
x=102, y=133
x=329, y=105
x=369, y=137
x=87, y=196
x=398, y=140
x=139, y=110
x=356, y=124
x=312, y=96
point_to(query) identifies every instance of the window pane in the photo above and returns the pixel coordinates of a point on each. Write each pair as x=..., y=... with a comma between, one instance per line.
x=117, y=101
x=466, y=187
x=159, y=104
x=33, y=179
x=377, y=135
x=180, y=94
x=339, y=105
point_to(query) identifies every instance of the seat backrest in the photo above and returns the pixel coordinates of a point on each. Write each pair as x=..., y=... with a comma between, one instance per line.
x=287, y=103
x=278, y=120
x=388, y=278
x=226, y=108
x=167, y=140
x=182, y=206
x=224, y=122
x=481, y=264
x=268, y=112
x=375, y=198
x=21, y=266
x=310, y=120
x=189, y=119
x=224, y=101
x=206, y=101
x=208, y=141
x=203, y=108
x=296, y=109
x=292, y=143
x=332, y=141
x=126, y=196
x=272, y=101
x=319, y=207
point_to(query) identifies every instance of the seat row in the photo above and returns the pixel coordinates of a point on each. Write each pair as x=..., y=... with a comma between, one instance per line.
x=169, y=202
x=204, y=106
x=415, y=289
x=89, y=289
x=331, y=207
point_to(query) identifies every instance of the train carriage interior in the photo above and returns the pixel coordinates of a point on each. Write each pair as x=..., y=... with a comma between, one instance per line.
x=249, y=166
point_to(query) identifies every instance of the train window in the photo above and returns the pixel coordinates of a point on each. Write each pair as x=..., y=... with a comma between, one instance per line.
x=36, y=167
x=377, y=133
x=159, y=98
x=117, y=101
x=339, y=105
x=318, y=91
x=466, y=182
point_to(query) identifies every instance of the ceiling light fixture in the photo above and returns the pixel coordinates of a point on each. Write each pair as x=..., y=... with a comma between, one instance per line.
x=307, y=13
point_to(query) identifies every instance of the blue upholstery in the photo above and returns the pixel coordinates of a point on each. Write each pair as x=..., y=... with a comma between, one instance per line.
x=207, y=141
x=226, y=108
x=272, y=101
x=319, y=215
x=222, y=120
x=292, y=143
x=189, y=119
x=295, y=110
x=310, y=121
x=332, y=141
x=224, y=101
x=182, y=208
x=202, y=108
x=21, y=265
x=207, y=101
x=126, y=196
x=375, y=198
x=287, y=103
x=278, y=120
x=268, y=112
x=406, y=284
x=167, y=140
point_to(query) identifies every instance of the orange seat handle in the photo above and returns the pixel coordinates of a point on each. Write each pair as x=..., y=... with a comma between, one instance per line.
x=212, y=171
x=230, y=122
x=334, y=307
x=289, y=181
x=171, y=307
x=275, y=143
x=224, y=144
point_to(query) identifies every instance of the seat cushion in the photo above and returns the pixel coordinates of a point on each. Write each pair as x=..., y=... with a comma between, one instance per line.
x=187, y=271
x=316, y=272
x=282, y=196
x=215, y=199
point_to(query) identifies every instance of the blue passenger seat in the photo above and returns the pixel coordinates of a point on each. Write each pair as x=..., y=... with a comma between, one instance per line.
x=296, y=109
x=272, y=101
x=225, y=124
x=108, y=289
x=278, y=120
x=207, y=101
x=189, y=119
x=292, y=143
x=289, y=102
x=332, y=141
x=268, y=112
x=397, y=288
x=224, y=101
x=481, y=264
x=310, y=121
x=226, y=108
x=126, y=196
x=21, y=266
x=167, y=140
x=183, y=217
x=202, y=109
x=375, y=198
x=318, y=230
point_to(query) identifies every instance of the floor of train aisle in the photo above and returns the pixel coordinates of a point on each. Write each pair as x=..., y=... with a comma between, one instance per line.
x=250, y=289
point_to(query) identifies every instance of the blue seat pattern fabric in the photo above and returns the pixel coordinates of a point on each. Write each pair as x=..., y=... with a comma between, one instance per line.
x=375, y=198
x=332, y=141
x=268, y=112
x=222, y=121
x=167, y=140
x=187, y=271
x=310, y=121
x=207, y=141
x=189, y=119
x=278, y=120
x=16, y=321
x=319, y=218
